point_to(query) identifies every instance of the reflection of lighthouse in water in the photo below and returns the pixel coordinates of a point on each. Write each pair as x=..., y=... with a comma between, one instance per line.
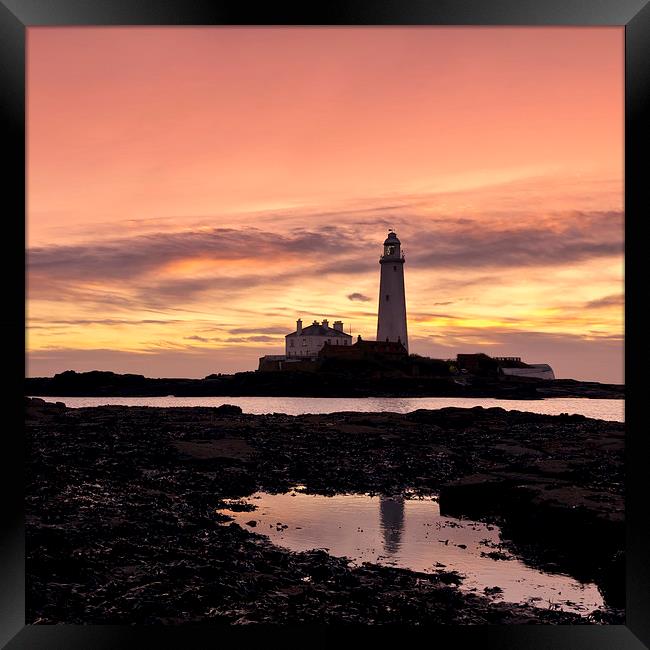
x=391, y=515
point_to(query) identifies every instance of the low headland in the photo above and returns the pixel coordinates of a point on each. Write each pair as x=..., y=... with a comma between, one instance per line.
x=123, y=521
x=350, y=380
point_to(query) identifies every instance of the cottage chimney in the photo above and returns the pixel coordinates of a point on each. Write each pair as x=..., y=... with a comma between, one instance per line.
x=299, y=326
x=338, y=325
x=326, y=323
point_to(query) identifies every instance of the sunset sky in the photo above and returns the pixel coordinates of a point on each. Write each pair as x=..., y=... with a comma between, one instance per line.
x=193, y=191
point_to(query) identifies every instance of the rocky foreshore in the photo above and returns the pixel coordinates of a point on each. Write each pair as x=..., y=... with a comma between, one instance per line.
x=123, y=522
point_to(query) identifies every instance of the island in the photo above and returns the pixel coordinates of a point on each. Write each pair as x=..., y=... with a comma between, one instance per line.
x=334, y=378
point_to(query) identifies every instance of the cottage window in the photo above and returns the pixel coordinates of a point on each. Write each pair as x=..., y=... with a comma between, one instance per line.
x=387, y=297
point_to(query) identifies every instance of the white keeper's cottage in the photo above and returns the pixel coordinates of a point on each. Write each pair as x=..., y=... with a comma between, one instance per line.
x=306, y=342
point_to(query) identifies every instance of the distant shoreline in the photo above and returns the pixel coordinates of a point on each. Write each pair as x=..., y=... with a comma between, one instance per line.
x=335, y=385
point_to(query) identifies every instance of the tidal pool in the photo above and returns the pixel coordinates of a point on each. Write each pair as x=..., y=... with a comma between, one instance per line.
x=411, y=534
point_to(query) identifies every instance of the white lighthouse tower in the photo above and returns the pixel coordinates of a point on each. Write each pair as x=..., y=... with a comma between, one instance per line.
x=391, y=323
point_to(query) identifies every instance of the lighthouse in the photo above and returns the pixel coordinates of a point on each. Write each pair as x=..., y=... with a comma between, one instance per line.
x=391, y=323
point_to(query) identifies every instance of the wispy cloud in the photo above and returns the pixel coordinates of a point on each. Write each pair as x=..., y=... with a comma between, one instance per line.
x=244, y=287
x=101, y=321
x=614, y=300
x=258, y=330
x=201, y=339
x=139, y=263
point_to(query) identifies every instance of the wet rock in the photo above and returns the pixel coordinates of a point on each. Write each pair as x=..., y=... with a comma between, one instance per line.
x=228, y=409
x=474, y=495
x=492, y=591
x=121, y=524
x=496, y=555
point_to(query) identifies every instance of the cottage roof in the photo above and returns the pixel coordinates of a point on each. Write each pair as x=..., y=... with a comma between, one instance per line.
x=319, y=330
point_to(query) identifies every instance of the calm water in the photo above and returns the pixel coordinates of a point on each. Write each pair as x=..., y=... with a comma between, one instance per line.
x=411, y=533
x=603, y=409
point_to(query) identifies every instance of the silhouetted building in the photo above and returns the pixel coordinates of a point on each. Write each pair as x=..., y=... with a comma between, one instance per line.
x=532, y=370
x=483, y=365
x=365, y=350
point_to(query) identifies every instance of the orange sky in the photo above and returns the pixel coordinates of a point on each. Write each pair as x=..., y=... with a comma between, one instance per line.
x=192, y=191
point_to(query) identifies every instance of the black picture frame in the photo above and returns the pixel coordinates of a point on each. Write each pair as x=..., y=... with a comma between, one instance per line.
x=18, y=15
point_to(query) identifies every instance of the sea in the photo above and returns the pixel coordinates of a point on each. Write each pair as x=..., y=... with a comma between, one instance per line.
x=601, y=409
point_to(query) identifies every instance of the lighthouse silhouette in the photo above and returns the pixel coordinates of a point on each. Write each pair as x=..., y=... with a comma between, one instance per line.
x=391, y=322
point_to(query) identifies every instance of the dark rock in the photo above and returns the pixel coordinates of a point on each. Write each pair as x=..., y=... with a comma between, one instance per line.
x=359, y=379
x=121, y=526
x=228, y=409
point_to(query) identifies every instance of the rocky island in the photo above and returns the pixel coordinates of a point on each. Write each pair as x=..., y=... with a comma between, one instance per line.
x=124, y=521
x=349, y=380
